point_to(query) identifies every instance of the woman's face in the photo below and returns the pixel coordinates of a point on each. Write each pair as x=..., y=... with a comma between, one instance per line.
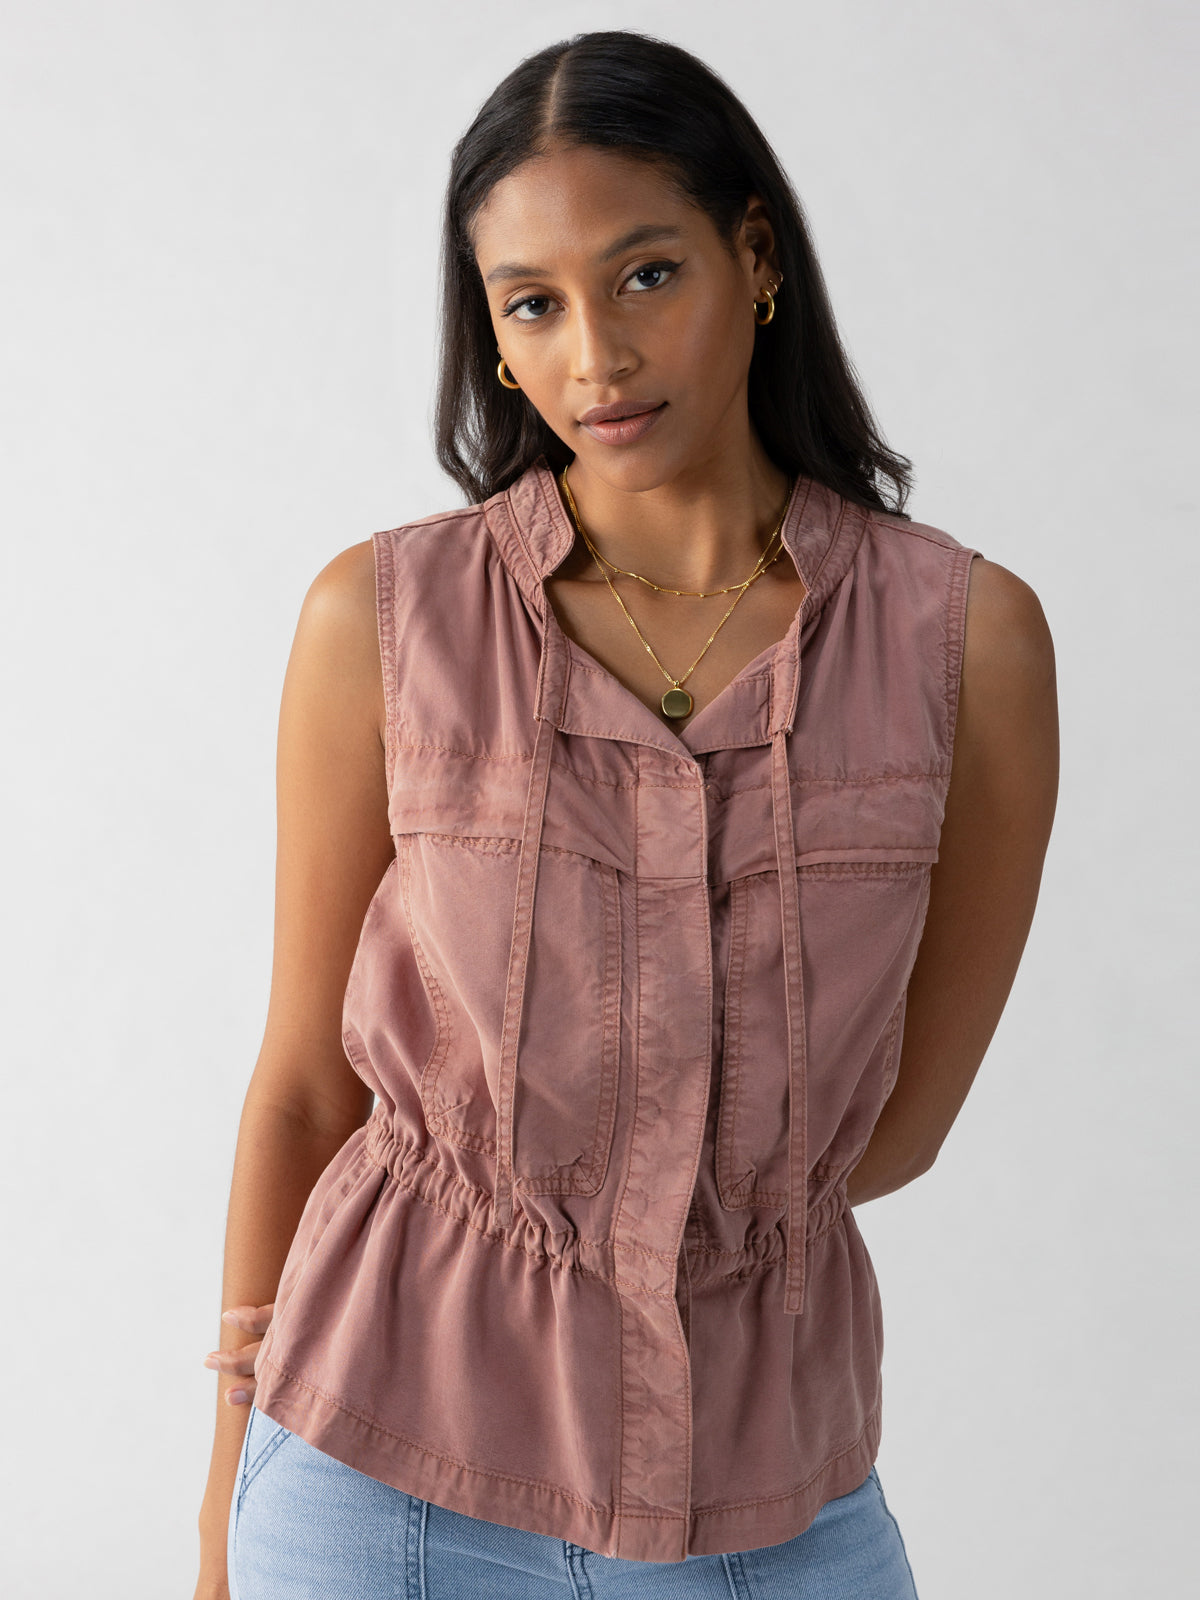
x=606, y=285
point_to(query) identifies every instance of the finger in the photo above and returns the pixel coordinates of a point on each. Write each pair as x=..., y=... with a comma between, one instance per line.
x=250, y=1319
x=241, y=1394
x=236, y=1363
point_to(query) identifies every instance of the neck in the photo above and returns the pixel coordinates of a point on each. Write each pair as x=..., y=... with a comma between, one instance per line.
x=701, y=529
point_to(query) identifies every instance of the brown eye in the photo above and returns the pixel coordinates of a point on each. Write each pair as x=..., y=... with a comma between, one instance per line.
x=657, y=269
x=530, y=300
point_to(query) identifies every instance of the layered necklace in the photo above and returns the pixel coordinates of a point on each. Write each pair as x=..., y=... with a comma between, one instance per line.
x=676, y=701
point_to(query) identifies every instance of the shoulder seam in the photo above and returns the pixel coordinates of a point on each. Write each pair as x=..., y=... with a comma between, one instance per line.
x=434, y=518
x=927, y=531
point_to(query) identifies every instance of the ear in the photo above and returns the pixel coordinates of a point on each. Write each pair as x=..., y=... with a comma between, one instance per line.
x=756, y=244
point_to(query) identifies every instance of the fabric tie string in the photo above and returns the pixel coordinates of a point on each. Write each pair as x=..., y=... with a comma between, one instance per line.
x=548, y=711
x=797, y=1026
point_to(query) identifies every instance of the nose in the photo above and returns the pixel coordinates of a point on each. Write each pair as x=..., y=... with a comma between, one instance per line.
x=600, y=350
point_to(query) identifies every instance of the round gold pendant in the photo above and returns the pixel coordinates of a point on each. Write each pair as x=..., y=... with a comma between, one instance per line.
x=676, y=703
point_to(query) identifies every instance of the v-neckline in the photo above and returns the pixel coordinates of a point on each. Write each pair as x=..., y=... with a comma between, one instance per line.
x=691, y=740
x=758, y=667
x=534, y=532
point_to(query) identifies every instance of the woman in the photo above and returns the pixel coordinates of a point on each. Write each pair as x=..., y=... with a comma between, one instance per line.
x=608, y=815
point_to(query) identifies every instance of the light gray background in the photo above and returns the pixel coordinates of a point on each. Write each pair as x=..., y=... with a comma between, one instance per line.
x=218, y=304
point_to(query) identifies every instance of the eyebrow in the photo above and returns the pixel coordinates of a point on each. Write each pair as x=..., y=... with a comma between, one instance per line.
x=644, y=234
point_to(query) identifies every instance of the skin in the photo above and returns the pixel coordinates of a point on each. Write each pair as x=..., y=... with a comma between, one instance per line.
x=690, y=506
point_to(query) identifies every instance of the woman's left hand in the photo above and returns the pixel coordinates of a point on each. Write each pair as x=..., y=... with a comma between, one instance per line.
x=239, y=1363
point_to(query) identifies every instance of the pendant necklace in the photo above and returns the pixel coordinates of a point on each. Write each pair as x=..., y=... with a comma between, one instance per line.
x=677, y=702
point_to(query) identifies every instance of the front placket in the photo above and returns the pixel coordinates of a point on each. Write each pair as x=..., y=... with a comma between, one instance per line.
x=672, y=1066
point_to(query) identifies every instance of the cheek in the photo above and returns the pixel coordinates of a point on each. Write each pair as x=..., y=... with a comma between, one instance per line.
x=542, y=367
x=713, y=342
x=717, y=315
x=545, y=377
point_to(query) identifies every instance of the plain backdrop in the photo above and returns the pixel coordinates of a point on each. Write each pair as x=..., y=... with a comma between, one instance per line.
x=218, y=306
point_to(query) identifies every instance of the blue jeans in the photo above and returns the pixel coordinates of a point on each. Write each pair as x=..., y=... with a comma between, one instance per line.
x=302, y=1524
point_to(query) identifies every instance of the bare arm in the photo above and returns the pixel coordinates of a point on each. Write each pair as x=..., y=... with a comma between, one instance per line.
x=984, y=885
x=334, y=845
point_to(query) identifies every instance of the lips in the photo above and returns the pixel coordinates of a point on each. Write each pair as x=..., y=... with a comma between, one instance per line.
x=624, y=424
x=619, y=410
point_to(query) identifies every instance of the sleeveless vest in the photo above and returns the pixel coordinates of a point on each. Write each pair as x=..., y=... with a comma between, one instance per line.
x=631, y=1001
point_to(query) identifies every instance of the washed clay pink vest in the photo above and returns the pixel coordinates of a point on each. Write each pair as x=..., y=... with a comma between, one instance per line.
x=630, y=1001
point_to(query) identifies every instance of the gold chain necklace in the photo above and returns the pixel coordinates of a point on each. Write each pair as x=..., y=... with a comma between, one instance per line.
x=697, y=594
x=677, y=702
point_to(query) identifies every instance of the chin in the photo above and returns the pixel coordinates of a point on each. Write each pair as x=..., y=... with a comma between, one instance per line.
x=631, y=469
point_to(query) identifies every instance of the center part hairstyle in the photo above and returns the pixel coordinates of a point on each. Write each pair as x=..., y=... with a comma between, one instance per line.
x=656, y=102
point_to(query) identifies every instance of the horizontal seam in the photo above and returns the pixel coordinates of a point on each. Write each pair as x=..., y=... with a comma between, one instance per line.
x=431, y=521
x=572, y=730
x=855, y=780
x=753, y=1269
x=584, y=777
x=437, y=1120
x=640, y=1289
x=536, y=1255
x=885, y=868
x=437, y=1455
x=798, y=775
x=522, y=757
x=505, y=844
x=790, y=1494
x=915, y=533
x=516, y=757
x=643, y=1250
x=468, y=755
x=536, y=1483
x=754, y=1263
x=593, y=1244
x=485, y=1233
x=752, y=677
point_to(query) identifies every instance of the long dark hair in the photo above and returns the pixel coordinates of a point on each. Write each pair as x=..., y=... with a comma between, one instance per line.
x=657, y=102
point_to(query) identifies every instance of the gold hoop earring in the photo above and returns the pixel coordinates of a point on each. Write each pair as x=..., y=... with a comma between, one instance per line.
x=510, y=382
x=769, y=302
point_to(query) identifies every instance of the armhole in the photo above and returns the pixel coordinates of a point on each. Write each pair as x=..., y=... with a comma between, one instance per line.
x=385, y=618
x=956, y=632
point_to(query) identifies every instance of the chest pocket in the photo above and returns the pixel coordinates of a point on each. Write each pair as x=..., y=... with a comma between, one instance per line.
x=861, y=922
x=459, y=895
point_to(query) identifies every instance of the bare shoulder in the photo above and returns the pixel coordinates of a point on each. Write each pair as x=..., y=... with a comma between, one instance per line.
x=341, y=598
x=338, y=631
x=1005, y=760
x=1007, y=646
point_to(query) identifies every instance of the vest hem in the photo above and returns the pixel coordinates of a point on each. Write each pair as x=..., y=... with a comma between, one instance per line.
x=367, y=1445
